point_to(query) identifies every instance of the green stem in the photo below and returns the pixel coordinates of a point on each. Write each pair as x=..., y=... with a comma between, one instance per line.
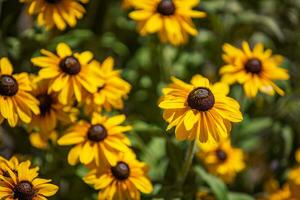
x=188, y=161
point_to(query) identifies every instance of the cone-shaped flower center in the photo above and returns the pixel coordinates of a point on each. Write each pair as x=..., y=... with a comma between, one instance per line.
x=45, y=103
x=201, y=99
x=97, y=133
x=166, y=7
x=121, y=171
x=222, y=155
x=70, y=65
x=52, y=1
x=8, y=86
x=24, y=191
x=253, y=66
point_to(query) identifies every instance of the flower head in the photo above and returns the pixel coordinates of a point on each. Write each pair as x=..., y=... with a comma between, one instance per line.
x=56, y=13
x=16, y=102
x=69, y=73
x=23, y=183
x=123, y=180
x=99, y=140
x=112, y=88
x=171, y=19
x=51, y=110
x=255, y=69
x=199, y=110
x=222, y=159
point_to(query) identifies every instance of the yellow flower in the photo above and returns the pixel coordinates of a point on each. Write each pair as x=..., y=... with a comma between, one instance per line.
x=123, y=180
x=51, y=110
x=25, y=184
x=56, y=13
x=112, y=88
x=5, y=165
x=171, y=19
x=69, y=73
x=298, y=156
x=199, y=110
x=204, y=196
x=222, y=159
x=15, y=100
x=294, y=182
x=41, y=140
x=282, y=194
x=99, y=140
x=255, y=69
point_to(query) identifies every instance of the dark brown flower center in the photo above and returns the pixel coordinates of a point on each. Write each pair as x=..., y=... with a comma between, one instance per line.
x=253, y=66
x=166, y=7
x=70, y=65
x=121, y=171
x=8, y=86
x=201, y=99
x=52, y=1
x=97, y=133
x=45, y=103
x=222, y=155
x=24, y=191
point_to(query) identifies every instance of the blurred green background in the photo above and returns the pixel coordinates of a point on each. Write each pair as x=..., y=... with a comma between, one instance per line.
x=269, y=134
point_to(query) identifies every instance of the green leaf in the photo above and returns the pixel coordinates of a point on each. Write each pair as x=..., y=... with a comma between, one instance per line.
x=217, y=186
x=239, y=196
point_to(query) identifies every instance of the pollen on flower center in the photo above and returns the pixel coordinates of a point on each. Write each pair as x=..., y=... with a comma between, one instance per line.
x=70, y=65
x=222, y=155
x=253, y=66
x=45, y=103
x=8, y=85
x=201, y=99
x=97, y=133
x=121, y=171
x=52, y=1
x=24, y=191
x=166, y=7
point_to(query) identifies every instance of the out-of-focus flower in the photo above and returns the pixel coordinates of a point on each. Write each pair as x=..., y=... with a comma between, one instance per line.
x=51, y=110
x=204, y=196
x=255, y=69
x=56, y=13
x=199, y=110
x=16, y=102
x=222, y=159
x=171, y=19
x=69, y=73
x=99, y=140
x=23, y=183
x=126, y=4
x=294, y=182
x=112, y=88
x=41, y=140
x=123, y=180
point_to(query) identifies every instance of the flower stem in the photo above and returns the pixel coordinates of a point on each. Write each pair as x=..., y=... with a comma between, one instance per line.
x=188, y=161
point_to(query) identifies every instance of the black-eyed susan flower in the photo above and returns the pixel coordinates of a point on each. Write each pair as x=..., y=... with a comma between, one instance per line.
x=51, y=110
x=15, y=100
x=255, y=69
x=56, y=13
x=123, y=180
x=24, y=184
x=97, y=141
x=69, y=73
x=171, y=19
x=199, y=110
x=11, y=164
x=222, y=159
x=112, y=88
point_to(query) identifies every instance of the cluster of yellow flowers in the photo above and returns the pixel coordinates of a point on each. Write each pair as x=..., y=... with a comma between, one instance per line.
x=66, y=81
x=200, y=111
